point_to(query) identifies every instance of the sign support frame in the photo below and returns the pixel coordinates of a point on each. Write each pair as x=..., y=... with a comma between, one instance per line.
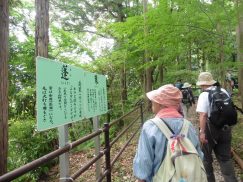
x=96, y=124
x=64, y=166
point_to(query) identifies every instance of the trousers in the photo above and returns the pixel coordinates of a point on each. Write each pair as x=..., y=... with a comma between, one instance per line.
x=219, y=141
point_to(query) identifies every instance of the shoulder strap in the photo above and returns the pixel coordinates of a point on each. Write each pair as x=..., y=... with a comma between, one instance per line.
x=165, y=130
x=185, y=127
x=162, y=126
x=209, y=95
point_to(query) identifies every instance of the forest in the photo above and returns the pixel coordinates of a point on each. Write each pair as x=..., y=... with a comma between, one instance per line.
x=138, y=44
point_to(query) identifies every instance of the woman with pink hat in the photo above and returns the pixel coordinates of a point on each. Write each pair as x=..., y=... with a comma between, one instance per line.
x=152, y=142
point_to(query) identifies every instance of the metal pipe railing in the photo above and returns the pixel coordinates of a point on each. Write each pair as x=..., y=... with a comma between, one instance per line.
x=108, y=164
x=46, y=158
x=90, y=163
x=115, y=121
x=123, y=148
x=103, y=175
x=122, y=133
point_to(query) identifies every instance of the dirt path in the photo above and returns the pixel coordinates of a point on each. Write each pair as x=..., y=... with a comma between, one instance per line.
x=122, y=169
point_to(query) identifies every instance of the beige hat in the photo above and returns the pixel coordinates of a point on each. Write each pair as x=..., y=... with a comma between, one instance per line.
x=205, y=78
x=186, y=85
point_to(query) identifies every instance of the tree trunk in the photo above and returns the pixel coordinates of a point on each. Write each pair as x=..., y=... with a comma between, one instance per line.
x=221, y=56
x=204, y=61
x=240, y=48
x=4, y=36
x=123, y=77
x=161, y=74
x=148, y=71
x=149, y=79
x=123, y=84
x=42, y=28
x=190, y=57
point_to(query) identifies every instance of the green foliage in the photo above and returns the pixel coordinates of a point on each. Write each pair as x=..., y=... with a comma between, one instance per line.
x=22, y=77
x=237, y=137
x=184, y=75
x=26, y=145
x=184, y=37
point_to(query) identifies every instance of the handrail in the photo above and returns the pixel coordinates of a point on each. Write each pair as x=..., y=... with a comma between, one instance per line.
x=123, y=148
x=103, y=175
x=132, y=123
x=90, y=163
x=46, y=158
x=106, y=151
x=115, y=121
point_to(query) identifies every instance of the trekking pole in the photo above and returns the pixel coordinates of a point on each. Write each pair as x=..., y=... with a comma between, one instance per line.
x=239, y=109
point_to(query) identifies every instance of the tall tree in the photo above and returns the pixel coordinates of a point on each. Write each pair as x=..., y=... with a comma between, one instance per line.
x=4, y=35
x=42, y=27
x=240, y=46
x=148, y=71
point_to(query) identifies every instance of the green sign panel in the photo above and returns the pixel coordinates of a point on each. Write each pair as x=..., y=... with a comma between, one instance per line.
x=66, y=94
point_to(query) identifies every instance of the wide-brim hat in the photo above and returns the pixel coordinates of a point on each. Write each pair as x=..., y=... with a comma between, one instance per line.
x=205, y=78
x=186, y=85
x=167, y=95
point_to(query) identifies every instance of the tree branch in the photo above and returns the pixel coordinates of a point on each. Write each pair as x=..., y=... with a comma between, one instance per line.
x=87, y=31
x=195, y=27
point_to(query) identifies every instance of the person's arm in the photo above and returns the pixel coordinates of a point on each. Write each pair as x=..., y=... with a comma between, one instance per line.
x=143, y=161
x=202, y=123
x=202, y=109
x=193, y=136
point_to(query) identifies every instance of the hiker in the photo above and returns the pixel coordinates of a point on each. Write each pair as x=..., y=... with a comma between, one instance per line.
x=213, y=138
x=187, y=98
x=179, y=84
x=152, y=142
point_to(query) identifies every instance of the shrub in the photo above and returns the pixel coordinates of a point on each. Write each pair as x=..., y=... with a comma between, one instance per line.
x=26, y=145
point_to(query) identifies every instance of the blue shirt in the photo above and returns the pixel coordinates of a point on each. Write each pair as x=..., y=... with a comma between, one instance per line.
x=152, y=147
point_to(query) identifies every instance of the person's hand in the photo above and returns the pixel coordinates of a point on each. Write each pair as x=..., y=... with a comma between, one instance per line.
x=202, y=138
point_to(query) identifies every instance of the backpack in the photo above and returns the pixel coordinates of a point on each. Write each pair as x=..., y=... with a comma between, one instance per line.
x=182, y=162
x=186, y=97
x=179, y=85
x=222, y=110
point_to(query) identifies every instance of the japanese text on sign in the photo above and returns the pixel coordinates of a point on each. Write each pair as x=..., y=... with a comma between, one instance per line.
x=66, y=94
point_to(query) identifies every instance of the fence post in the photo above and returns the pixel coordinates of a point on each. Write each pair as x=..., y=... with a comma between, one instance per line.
x=96, y=124
x=107, y=153
x=141, y=112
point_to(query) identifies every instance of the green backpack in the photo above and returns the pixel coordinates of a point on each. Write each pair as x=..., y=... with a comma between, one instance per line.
x=182, y=162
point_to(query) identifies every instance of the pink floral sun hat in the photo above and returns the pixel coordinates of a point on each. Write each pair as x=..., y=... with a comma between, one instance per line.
x=167, y=95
